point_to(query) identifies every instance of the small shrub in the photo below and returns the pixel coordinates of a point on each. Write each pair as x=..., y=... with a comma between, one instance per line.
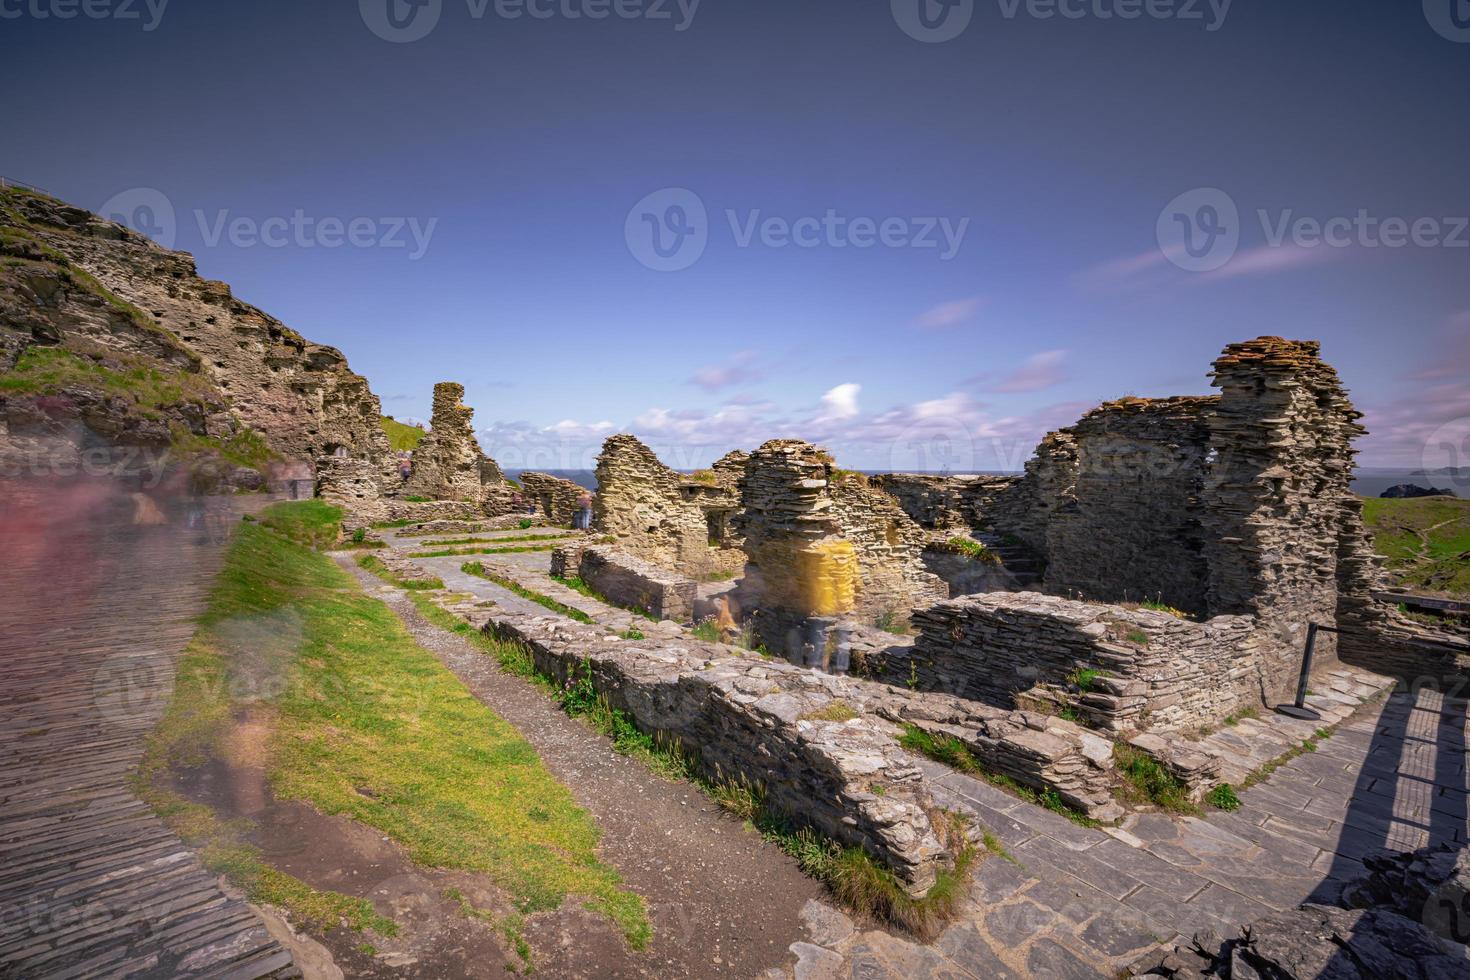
x=632, y=634
x=1138, y=638
x=1163, y=607
x=1223, y=797
x=889, y=622
x=971, y=548
x=1085, y=678
x=525, y=524
x=707, y=630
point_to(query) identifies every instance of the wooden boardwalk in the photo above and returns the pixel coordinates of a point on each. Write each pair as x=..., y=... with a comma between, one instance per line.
x=92, y=620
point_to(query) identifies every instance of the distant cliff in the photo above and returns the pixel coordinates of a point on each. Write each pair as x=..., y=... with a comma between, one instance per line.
x=109, y=342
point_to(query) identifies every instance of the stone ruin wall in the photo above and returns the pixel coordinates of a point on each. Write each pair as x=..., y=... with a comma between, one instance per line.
x=639, y=504
x=716, y=492
x=632, y=583
x=758, y=721
x=556, y=500
x=1130, y=530
x=446, y=464
x=1155, y=672
x=354, y=485
x=824, y=544
x=1237, y=505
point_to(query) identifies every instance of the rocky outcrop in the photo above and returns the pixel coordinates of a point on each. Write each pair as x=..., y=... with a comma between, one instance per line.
x=1316, y=942
x=1404, y=491
x=155, y=355
x=446, y=464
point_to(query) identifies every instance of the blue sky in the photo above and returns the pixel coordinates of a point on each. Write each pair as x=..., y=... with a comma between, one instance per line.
x=527, y=151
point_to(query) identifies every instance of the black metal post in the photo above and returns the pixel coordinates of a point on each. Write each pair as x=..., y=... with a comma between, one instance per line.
x=1301, y=685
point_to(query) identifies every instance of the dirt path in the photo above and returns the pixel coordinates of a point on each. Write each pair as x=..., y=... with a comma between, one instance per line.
x=723, y=903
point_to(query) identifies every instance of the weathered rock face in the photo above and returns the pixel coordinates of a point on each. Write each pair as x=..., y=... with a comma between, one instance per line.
x=636, y=584
x=218, y=358
x=556, y=499
x=351, y=484
x=825, y=544
x=1430, y=886
x=1404, y=491
x=446, y=464
x=639, y=503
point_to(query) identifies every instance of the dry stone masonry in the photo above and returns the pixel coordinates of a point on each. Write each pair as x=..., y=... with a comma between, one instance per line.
x=556, y=500
x=824, y=546
x=632, y=583
x=639, y=505
x=351, y=484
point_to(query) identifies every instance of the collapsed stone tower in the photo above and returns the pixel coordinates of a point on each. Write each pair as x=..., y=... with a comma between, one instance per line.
x=639, y=504
x=825, y=545
x=446, y=464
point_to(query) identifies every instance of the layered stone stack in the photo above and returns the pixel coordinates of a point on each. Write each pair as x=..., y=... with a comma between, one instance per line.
x=632, y=583
x=640, y=505
x=446, y=464
x=353, y=485
x=716, y=492
x=556, y=499
x=1132, y=529
x=825, y=544
x=1276, y=494
x=1145, y=670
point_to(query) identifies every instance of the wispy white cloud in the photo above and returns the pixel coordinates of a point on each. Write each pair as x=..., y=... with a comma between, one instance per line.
x=948, y=315
x=740, y=369
x=1041, y=371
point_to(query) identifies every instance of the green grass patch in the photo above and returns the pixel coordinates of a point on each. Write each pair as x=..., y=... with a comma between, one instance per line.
x=312, y=523
x=1146, y=781
x=479, y=570
x=1425, y=541
x=518, y=539
x=374, y=727
x=403, y=438
x=955, y=754
x=971, y=548
x=374, y=564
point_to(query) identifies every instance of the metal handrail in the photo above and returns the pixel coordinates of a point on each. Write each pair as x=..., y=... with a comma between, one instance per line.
x=12, y=182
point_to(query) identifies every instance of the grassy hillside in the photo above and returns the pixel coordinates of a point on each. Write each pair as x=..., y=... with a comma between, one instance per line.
x=1426, y=541
x=402, y=437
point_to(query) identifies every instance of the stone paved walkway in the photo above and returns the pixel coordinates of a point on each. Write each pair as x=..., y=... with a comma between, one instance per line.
x=1078, y=902
x=92, y=884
